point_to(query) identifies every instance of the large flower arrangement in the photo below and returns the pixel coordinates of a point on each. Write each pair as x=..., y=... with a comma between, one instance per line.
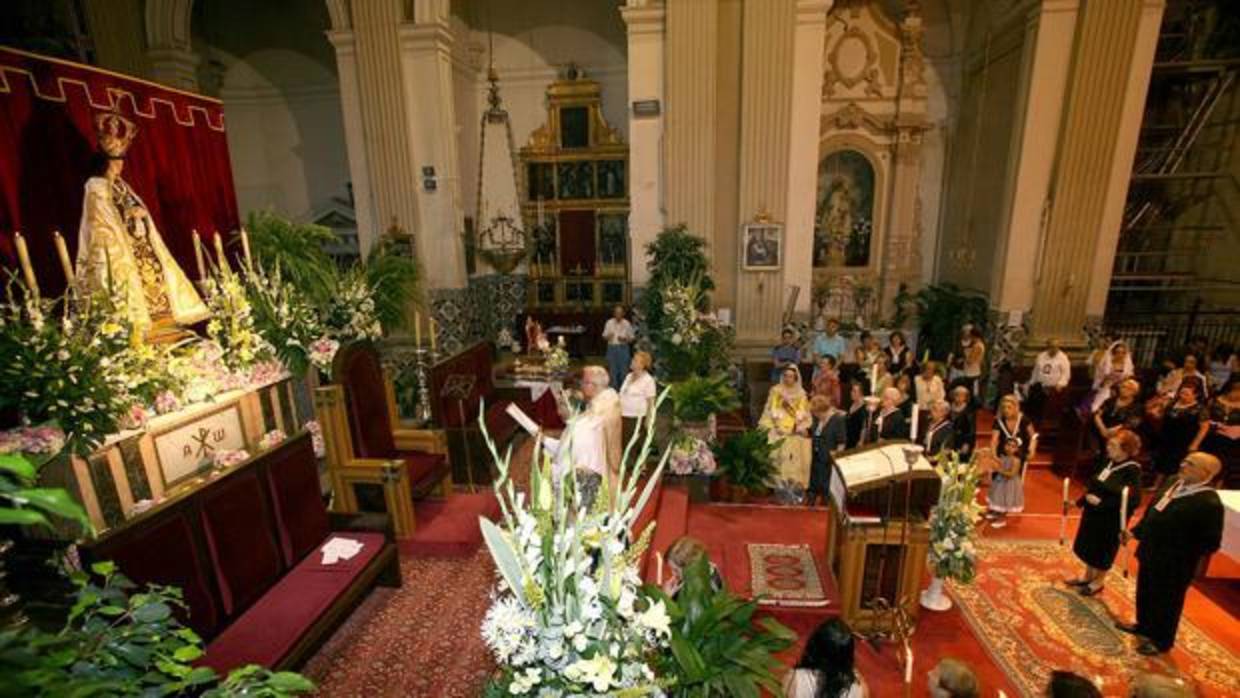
x=350, y=311
x=555, y=357
x=567, y=616
x=64, y=370
x=953, y=520
x=284, y=316
x=232, y=322
x=692, y=341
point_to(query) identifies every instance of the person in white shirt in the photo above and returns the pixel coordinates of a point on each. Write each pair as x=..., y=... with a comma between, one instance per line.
x=1051, y=373
x=637, y=395
x=593, y=449
x=826, y=667
x=618, y=332
x=929, y=386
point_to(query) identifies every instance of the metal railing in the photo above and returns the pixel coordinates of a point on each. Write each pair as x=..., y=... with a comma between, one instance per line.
x=1152, y=337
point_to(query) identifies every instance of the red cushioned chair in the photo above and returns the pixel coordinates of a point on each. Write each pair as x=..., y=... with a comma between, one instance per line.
x=376, y=465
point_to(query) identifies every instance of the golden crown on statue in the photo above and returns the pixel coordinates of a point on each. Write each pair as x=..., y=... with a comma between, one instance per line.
x=115, y=133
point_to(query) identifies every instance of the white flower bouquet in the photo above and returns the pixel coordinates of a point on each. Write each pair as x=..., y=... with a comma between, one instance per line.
x=567, y=617
x=691, y=454
x=953, y=520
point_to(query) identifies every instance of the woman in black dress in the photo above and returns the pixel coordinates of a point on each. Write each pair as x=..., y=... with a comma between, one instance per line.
x=855, y=418
x=1180, y=424
x=900, y=358
x=1220, y=432
x=964, y=426
x=1121, y=411
x=1097, y=539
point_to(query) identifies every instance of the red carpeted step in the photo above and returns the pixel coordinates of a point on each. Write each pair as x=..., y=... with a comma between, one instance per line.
x=449, y=527
x=671, y=522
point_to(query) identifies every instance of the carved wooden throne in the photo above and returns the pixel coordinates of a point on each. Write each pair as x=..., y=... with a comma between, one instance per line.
x=376, y=464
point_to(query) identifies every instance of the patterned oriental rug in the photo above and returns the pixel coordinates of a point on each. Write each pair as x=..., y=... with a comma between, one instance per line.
x=785, y=575
x=1032, y=624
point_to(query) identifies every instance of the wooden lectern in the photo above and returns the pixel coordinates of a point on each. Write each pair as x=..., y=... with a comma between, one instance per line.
x=877, y=546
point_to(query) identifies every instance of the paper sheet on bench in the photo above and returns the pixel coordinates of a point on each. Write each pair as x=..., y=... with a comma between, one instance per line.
x=339, y=548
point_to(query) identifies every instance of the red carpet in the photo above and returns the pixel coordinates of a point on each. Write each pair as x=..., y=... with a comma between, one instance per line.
x=449, y=527
x=1032, y=624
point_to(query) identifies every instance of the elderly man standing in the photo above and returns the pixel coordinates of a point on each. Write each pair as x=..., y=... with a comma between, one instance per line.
x=1052, y=371
x=1180, y=528
x=603, y=404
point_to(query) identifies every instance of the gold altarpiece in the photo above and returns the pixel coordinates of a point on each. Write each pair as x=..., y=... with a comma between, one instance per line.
x=575, y=202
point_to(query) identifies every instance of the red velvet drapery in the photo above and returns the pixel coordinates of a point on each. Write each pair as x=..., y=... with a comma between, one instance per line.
x=178, y=163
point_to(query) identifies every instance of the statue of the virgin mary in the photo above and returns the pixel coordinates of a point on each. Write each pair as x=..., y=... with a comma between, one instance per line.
x=119, y=246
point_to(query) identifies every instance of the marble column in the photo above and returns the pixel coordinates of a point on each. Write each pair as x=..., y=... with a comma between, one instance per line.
x=116, y=32
x=343, y=41
x=645, y=23
x=384, y=127
x=426, y=71
x=808, y=46
x=169, y=48
x=767, y=50
x=689, y=123
x=1049, y=30
x=1109, y=78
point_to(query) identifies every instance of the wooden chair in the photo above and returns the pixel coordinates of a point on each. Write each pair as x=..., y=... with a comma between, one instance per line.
x=375, y=463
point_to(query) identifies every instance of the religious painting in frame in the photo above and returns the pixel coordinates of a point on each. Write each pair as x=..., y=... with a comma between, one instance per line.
x=844, y=212
x=761, y=245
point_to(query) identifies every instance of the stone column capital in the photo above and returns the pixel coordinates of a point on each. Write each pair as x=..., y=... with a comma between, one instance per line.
x=644, y=20
x=425, y=36
x=343, y=40
x=813, y=11
x=175, y=67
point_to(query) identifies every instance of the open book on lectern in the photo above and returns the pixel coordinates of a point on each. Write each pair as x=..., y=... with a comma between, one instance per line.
x=861, y=477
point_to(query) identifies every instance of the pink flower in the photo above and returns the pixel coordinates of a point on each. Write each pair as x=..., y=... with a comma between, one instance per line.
x=316, y=438
x=138, y=415
x=166, y=402
x=227, y=458
x=271, y=439
x=36, y=440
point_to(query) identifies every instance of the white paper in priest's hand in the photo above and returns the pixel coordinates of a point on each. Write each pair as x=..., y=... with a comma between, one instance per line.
x=337, y=549
x=520, y=417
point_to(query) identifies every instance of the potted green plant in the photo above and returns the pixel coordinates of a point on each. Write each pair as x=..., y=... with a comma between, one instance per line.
x=695, y=400
x=718, y=648
x=747, y=461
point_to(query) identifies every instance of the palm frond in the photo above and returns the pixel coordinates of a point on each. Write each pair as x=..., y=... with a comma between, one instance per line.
x=394, y=280
x=298, y=248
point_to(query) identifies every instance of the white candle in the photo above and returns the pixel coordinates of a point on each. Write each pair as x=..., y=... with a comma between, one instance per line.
x=245, y=249
x=63, y=253
x=23, y=257
x=202, y=264
x=417, y=329
x=874, y=379
x=1063, y=516
x=219, y=252
x=912, y=432
x=1123, y=510
x=658, y=568
x=908, y=665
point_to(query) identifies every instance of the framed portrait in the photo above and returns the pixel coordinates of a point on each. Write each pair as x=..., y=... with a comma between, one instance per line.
x=761, y=245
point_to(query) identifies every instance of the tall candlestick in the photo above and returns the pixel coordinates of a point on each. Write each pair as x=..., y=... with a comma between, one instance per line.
x=245, y=249
x=1123, y=526
x=434, y=334
x=202, y=265
x=23, y=257
x=63, y=253
x=219, y=252
x=417, y=329
x=1063, y=517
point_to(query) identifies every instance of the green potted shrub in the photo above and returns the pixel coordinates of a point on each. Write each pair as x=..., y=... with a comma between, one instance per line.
x=718, y=648
x=695, y=402
x=747, y=461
